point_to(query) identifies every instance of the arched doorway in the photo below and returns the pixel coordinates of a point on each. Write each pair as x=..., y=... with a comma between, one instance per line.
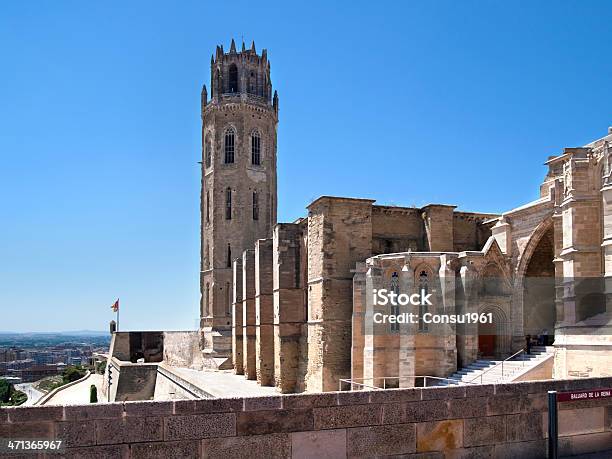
x=493, y=336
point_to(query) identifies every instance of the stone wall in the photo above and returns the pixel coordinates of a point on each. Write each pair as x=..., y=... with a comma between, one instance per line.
x=339, y=236
x=289, y=305
x=506, y=420
x=264, y=313
x=182, y=349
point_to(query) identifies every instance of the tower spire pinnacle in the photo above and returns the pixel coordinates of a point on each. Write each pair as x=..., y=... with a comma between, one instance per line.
x=233, y=46
x=253, y=47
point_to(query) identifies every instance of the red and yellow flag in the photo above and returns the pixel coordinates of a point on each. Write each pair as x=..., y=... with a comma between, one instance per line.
x=115, y=306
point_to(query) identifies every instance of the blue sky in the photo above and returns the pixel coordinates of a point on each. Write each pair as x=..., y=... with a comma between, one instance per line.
x=405, y=102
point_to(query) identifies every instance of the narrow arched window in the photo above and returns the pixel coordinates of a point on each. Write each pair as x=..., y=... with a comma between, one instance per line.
x=229, y=256
x=229, y=146
x=208, y=152
x=207, y=257
x=255, y=205
x=207, y=300
x=207, y=207
x=394, y=287
x=228, y=294
x=255, y=148
x=423, y=289
x=228, y=204
x=233, y=78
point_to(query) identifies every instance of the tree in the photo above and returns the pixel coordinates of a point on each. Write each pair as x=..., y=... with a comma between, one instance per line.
x=93, y=394
x=5, y=391
x=9, y=395
x=71, y=374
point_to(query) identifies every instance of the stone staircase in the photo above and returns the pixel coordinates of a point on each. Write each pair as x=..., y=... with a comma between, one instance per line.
x=492, y=374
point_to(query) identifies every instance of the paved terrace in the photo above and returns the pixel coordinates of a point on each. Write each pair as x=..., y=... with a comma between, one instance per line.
x=224, y=384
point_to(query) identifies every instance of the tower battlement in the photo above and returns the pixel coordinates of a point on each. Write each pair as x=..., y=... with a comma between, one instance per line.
x=243, y=74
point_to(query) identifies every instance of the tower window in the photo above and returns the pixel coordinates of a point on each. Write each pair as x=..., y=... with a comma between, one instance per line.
x=228, y=204
x=229, y=146
x=394, y=287
x=207, y=207
x=233, y=78
x=208, y=153
x=424, y=288
x=207, y=300
x=255, y=205
x=228, y=294
x=207, y=257
x=229, y=256
x=255, y=148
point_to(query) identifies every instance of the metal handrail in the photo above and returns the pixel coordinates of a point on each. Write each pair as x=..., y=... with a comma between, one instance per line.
x=498, y=364
x=384, y=380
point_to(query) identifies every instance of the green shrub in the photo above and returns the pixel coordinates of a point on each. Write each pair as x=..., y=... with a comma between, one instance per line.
x=93, y=394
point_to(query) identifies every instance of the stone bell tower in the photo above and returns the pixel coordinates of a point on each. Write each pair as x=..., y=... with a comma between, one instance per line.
x=238, y=197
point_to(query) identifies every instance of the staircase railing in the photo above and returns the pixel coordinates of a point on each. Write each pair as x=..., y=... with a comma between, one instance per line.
x=502, y=366
x=360, y=384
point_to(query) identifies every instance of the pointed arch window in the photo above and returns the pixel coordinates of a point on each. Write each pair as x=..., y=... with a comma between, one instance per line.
x=394, y=287
x=208, y=152
x=423, y=283
x=228, y=295
x=255, y=148
x=228, y=204
x=229, y=144
x=207, y=300
x=233, y=78
x=255, y=205
x=207, y=206
x=229, y=255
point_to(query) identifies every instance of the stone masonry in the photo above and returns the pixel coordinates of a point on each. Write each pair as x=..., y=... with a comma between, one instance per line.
x=497, y=421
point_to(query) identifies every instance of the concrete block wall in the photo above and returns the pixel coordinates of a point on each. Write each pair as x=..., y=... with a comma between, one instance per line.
x=264, y=313
x=499, y=421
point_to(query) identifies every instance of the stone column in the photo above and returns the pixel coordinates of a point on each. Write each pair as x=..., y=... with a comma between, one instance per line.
x=237, y=317
x=289, y=307
x=408, y=331
x=264, y=313
x=248, y=314
x=373, y=353
x=358, y=322
x=467, y=334
x=447, y=332
x=581, y=251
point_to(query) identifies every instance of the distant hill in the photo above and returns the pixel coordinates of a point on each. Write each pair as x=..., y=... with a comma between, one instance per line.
x=58, y=333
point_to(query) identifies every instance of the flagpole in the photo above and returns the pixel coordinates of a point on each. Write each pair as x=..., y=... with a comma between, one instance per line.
x=117, y=316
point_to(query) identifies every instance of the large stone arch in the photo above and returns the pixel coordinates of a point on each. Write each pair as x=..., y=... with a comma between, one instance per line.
x=545, y=227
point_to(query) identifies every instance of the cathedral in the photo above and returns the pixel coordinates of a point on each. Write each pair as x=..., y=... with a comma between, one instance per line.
x=291, y=305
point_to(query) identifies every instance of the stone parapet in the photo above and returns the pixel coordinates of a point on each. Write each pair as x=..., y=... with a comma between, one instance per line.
x=504, y=420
